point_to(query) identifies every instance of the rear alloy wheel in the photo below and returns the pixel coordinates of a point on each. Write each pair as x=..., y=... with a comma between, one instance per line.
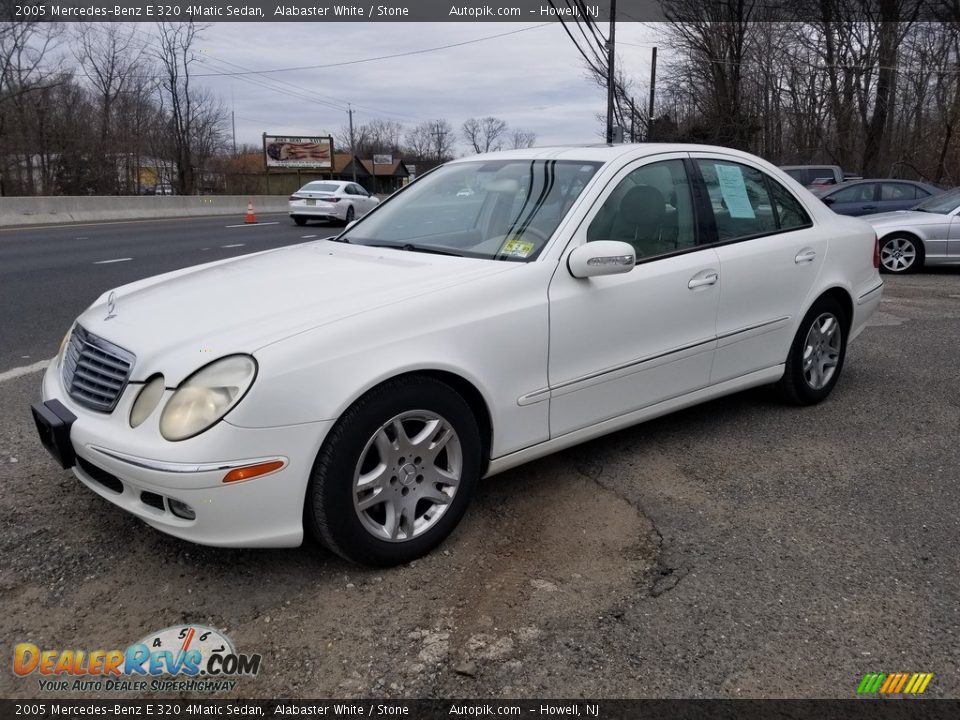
x=816, y=356
x=900, y=254
x=299, y=220
x=350, y=215
x=396, y=473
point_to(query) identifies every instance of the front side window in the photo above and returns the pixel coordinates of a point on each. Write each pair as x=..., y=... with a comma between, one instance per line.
x=739, y=198
x=514, y=208
x=855, y=194
x=651, y=208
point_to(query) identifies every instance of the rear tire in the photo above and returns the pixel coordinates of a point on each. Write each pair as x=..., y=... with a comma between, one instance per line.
x=350, y=215
x=816, y=356
x=395, y=474
x=900, y=254
x=301, y=221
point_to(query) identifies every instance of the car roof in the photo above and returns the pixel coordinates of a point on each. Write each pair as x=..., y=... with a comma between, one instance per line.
x=601, y=153
x=864, y=181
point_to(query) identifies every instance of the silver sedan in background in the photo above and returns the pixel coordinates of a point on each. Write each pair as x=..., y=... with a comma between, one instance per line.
x=927, y=234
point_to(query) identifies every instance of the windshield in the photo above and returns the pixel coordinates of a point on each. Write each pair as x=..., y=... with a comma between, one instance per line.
x=493, y=209
x=944, y=203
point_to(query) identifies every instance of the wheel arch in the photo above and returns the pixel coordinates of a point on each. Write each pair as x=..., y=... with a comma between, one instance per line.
x=916, y=237
x=466, y=389
x=843, y=297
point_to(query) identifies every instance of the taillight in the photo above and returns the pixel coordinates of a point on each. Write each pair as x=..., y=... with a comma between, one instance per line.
x=293, y=197
x=876, y=252
x=331, y=199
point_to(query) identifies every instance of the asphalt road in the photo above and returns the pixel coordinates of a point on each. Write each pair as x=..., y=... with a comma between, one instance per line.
x=742, y=548
x=49, y=275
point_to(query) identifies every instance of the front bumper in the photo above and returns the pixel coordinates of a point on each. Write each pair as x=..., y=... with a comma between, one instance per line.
x=139, y=471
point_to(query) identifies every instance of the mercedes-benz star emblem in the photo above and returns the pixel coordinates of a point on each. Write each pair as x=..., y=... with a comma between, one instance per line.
x=111, y=305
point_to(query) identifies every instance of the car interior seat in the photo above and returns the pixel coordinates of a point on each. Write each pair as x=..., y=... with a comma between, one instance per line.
x=640, y=219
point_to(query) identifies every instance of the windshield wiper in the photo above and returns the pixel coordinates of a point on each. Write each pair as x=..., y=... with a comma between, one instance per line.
x=410, y=247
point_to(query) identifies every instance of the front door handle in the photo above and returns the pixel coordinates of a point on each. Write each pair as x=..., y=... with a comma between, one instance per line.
x=869, y=207
x=806, y=255
x=702, y=280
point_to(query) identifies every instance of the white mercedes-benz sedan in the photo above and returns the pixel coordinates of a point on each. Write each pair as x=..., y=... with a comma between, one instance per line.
x=357, y=388
x=330, y=200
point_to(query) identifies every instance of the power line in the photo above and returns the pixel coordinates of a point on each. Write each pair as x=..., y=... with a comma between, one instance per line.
x=377, y=58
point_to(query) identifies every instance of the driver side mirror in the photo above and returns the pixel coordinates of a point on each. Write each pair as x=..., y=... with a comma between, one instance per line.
x=602, y=257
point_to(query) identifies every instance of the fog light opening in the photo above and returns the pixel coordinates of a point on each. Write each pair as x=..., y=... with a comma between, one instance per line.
x=181, y=509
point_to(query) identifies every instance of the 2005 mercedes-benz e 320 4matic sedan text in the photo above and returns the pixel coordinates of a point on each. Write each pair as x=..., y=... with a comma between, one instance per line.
x=357, y=388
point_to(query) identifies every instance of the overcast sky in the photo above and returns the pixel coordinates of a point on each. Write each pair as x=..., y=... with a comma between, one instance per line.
x=534, y=79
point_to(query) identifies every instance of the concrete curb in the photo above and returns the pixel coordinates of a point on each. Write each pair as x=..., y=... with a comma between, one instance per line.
x=27, y=211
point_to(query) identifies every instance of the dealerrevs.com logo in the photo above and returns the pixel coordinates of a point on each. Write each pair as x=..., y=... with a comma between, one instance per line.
x=191, y=658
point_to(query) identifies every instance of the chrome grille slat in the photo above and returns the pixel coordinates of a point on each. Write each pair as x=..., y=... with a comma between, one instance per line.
x=101, y=369
x=95, y=371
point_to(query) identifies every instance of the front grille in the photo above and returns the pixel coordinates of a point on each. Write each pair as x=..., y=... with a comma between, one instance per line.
x=95, y=371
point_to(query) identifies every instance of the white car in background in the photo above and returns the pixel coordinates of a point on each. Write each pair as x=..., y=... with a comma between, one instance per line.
x=357, y=388
x=927, y=234
x=330, y=200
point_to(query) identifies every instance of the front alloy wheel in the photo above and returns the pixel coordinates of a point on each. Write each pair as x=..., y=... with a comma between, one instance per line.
x=395, y=473
x=899, y=254
x=407, y=476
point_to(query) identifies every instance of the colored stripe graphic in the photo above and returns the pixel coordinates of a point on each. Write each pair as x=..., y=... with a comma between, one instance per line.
x=894, y=683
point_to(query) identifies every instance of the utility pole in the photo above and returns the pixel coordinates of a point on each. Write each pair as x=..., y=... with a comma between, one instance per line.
x=611, y=70
x=653, y=84
x=353, y=151
x=633, y=114
x=233, y=123
x=438, y=133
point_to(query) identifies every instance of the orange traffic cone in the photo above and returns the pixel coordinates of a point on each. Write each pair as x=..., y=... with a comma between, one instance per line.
x=251, y=218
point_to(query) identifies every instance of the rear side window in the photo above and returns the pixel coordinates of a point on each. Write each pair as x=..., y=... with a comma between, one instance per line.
x=790, y=213
x=899, y=191
x=739, y=198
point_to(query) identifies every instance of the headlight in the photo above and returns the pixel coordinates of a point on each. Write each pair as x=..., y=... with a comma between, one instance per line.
x=206, y=396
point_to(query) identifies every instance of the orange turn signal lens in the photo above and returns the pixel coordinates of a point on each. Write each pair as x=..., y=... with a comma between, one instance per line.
x=251, y=471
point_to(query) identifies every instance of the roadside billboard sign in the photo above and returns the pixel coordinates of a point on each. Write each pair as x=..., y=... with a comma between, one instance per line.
x=298, y=152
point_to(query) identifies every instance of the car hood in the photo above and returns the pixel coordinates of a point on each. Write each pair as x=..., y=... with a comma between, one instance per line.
x=177, y=322
x=906, y=217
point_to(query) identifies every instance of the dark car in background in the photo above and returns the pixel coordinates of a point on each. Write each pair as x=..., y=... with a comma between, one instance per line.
x=812, y=176
x=866, y=197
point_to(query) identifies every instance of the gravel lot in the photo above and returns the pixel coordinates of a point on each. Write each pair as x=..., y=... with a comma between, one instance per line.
x=738, y=549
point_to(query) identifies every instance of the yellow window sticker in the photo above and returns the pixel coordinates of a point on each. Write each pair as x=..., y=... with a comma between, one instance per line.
x=517, y=248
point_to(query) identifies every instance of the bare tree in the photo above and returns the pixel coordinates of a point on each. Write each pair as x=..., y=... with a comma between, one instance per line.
x=484, y=135
x=432, y=140
x=109, y=57
x=190, y=112
x=520, y=139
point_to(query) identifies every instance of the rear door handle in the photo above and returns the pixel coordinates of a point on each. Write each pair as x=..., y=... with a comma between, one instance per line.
x=703, y=279
x=805, y=255
x=869, y=207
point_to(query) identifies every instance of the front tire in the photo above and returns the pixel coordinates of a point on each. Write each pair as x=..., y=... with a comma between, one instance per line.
x=395, y=474
x=816, y=356
x=901, y=254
